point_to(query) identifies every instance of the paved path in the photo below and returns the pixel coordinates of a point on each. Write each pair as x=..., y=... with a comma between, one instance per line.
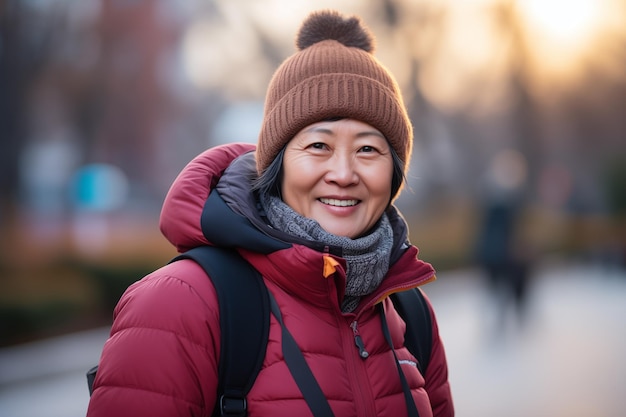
x=569, y=360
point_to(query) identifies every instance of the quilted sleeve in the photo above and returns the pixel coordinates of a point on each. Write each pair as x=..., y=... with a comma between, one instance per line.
x=160, y=359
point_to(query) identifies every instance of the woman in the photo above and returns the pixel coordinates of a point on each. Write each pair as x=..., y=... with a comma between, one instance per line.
x=311, y=209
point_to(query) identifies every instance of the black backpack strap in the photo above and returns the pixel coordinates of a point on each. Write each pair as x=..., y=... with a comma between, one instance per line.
x=411, y=408
x=299, y=369
x=91, y=377
x=244, y=323
x=418, y=338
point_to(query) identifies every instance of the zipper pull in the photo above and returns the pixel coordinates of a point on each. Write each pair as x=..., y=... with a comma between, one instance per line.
x=358, y=341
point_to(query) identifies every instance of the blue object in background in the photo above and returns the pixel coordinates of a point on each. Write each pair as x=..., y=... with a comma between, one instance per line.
x=99, y=187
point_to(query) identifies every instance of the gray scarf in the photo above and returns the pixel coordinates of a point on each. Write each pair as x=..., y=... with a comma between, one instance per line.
x=367, y=257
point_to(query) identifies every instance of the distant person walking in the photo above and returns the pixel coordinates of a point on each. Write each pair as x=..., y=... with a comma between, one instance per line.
x=501, y=251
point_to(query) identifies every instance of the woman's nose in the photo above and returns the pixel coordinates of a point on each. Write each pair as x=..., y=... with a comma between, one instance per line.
x=342, y=170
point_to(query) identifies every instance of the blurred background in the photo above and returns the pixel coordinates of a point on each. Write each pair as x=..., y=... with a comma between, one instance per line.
x=516, y=194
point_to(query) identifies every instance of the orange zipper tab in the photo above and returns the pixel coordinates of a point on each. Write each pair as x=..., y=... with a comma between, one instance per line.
x=330, y=265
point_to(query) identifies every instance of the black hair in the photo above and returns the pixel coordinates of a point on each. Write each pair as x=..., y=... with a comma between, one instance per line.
x=271, y=179
x=398, y=178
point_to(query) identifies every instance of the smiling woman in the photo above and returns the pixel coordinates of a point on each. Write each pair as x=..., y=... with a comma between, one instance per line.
x=327, y=242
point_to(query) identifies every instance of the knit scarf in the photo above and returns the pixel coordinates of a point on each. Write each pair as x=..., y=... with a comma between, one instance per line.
x=367, y=257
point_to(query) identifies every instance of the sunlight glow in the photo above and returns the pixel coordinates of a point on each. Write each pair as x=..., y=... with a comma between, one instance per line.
x=563, y=33
x=563, y=21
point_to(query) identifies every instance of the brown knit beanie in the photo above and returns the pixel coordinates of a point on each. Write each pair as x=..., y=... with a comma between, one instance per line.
x=333, y=74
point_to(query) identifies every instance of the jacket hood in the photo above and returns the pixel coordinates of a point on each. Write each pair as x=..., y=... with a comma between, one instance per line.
x=184, y=203
x=211, y=203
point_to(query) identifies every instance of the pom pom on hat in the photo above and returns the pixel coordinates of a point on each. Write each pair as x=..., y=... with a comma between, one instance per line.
x=348, y=31
x=333, y=74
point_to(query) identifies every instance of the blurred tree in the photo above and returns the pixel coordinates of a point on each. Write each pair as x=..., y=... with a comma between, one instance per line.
x=12, y=86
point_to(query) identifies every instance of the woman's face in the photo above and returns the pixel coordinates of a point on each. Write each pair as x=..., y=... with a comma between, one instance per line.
x=339, y=174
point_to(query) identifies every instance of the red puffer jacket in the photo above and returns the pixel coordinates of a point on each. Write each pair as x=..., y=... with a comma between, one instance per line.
x=161, y=358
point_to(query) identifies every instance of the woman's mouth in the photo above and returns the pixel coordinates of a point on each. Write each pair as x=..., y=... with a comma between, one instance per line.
x=339, y=203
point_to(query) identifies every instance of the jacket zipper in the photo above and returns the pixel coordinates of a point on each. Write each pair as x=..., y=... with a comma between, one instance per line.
x=358, y=341
x=363, y=399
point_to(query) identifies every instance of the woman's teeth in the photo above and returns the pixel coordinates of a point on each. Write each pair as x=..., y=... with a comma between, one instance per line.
x=339, y=203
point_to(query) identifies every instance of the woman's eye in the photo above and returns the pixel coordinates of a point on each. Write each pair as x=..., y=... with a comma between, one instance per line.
x=317, y=145
x=368, y=149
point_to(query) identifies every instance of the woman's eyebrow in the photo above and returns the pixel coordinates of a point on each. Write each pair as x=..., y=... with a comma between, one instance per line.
x=326, y=131
x=371, y=133
x=317, y=129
